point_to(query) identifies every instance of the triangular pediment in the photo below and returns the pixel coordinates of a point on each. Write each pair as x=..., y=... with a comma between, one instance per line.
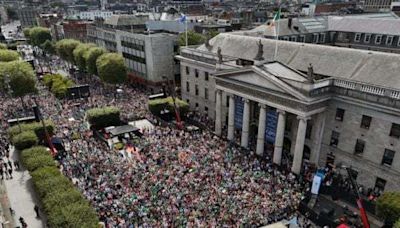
x=257, y=78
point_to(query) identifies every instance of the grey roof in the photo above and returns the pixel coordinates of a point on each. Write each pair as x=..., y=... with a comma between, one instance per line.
x=364, y=25
x=377, y=68
x=304, y=25
x=119, y=130
x=126, y=19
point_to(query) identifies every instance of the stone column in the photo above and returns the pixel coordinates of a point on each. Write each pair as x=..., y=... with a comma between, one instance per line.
x=317, y=136
x=246, y=124
x=218, y=119
x=231, y=118
x=298, y=149
x=280, y=134
x=261, y=129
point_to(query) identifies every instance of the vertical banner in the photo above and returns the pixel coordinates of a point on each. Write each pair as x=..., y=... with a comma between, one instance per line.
x=271, y=125
x=239, y=105
x=318, y=178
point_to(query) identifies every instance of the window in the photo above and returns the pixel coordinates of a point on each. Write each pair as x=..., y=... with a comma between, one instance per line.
x=285, y=38
x=197, y=105
x=293, y=38
x=367, y=38
x=315, y=38
x=334, y=139
x=339, y=114
x=360, y=145
x=322, y=38
x=205, y=108
x=302, y=38
x=380, y=184
x=187, y=71
x=388, y=156
x=196, y=90
x=365, y=121
x=206, y=93
x=357, y=37
x=187, y=87
x=378, y=39
x=188, y=101
x=389, y=40
x=196, y=73
x=206, y=76
x=395, y=131
x=227, y=101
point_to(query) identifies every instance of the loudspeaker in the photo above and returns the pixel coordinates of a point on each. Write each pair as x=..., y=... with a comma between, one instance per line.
x=36, y=112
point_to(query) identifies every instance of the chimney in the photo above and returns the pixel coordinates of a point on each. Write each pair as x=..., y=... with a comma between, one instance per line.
x=289, y=24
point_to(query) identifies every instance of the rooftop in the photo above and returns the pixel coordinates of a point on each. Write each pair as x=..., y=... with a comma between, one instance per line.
x=375, y=68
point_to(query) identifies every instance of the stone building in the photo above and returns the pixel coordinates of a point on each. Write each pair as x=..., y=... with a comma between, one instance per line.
x=374, y=32
x=148, y=57
x=308, y=103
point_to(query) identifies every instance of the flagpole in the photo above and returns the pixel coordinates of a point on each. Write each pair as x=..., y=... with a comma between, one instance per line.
x=186, y=33
x=277, y=33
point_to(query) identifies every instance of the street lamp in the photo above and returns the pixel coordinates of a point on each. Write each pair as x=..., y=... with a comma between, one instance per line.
x=52, y=149
x=172, y=87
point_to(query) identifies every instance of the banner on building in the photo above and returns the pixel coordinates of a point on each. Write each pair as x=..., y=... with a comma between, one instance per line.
x=318, y=177
x=239, y=106
x=270, y=126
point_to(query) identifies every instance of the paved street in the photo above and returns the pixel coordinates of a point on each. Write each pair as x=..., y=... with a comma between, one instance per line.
x=21, y=196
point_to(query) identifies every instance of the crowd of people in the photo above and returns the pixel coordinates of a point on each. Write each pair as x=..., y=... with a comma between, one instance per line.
x=180, y=178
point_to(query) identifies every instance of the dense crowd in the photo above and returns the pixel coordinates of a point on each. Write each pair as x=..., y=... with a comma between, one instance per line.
x=180, y=178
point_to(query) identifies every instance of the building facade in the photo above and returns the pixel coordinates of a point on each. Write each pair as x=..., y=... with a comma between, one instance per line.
x=27, y=16
x=149, y=57
x=377, y=5
x=341, y=109
x=368, y=33
x=77, y=30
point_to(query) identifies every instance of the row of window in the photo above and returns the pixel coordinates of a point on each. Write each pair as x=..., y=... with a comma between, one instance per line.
x=134, y=58
x=387, y=158
x=135, y=46
x=366, y=123
x=196, y=90
x=316, y=38
x=197, y=73
x=378, y=39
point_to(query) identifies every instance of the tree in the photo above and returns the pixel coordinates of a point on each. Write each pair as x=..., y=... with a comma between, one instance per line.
x=397, y=224
x=39, y=35
x=111, y=68
x=8, y=55
x=388, y=207
x=91, y=57
x=49, y=47
x=24, y=140
x=27, y=34
x=22, y=78
x=212, y=33
x=194, y=38
x=3, y=46
x=79, y=53
x=65, y=49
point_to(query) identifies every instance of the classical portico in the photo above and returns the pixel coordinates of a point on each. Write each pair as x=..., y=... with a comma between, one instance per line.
x=274, y=91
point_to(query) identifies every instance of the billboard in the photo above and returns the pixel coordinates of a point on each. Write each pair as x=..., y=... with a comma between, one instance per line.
x=239, y=106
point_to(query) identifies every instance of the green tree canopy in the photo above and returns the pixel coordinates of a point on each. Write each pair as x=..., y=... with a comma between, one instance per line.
x=49, y=47
x=91, y=57
x=27, y=33
x=20, y=76
x=65, y=49
x=194, y=38
x=8, y=55
x=79, y=54
x=388, y=207
x=3, y=46
x=39, y=35
x=111, y=68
